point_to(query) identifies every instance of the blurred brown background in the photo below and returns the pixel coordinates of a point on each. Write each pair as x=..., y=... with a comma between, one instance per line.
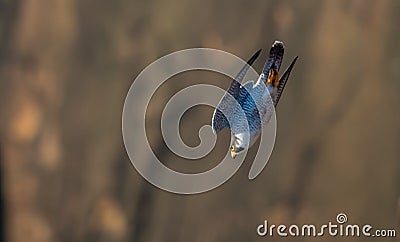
x=66, y=66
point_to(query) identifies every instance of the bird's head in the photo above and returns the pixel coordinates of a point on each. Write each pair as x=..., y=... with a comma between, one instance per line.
x=239, y=144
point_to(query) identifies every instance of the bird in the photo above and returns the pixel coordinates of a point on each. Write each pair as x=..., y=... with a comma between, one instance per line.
x=257, y=100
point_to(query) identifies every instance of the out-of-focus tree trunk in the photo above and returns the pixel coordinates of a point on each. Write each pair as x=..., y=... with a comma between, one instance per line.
x=32, y=97
x=2, y=208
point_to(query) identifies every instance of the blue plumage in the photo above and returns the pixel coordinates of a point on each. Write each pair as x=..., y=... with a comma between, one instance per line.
x=256, y=101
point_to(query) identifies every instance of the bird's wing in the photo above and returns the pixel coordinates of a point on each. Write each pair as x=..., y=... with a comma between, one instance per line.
x=282, y=81
x=248, y=85
x=235, y=84
x=219, y=121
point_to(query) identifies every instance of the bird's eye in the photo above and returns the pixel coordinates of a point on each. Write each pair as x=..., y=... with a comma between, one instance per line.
x=232, y=147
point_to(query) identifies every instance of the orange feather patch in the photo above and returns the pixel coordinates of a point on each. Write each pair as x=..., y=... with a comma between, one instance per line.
x=273, y=77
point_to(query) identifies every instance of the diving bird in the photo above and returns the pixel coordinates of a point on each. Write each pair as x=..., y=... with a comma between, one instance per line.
x=257, y=101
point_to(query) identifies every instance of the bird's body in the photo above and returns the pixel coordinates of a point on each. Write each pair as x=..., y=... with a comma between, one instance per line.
x=256, y=100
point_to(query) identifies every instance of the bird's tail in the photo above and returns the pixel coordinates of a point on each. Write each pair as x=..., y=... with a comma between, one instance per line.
x=275, y=57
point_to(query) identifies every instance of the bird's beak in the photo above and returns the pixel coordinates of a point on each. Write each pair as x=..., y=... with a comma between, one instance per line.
x=233, y=153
